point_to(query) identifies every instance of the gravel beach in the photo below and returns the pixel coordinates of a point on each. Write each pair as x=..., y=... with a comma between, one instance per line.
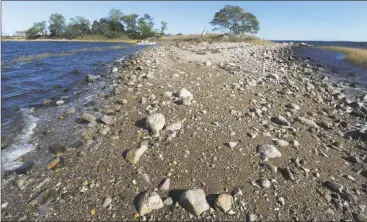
x=202, y=131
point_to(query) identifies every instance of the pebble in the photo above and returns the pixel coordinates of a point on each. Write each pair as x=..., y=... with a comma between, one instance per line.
x=185, y=97
x=134, y=155
x=268, y=151
x=280, y=120
x=224, y=202
x=87, y=118
x=334, y=186
x=279, y=142
x=164, y=184
x=60, y=102
x=105, y=119
x=107, y=202
x=232, y=144
x=264, y=183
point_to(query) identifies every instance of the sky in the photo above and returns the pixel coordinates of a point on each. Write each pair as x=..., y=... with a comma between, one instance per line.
x=279, y=20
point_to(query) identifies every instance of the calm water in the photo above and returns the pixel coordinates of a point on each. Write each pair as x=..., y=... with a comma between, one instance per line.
x=333, y=62
x=35, y=71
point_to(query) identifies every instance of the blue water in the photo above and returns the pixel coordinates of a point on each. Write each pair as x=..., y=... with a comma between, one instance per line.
x=334, y=62
x=26, y=85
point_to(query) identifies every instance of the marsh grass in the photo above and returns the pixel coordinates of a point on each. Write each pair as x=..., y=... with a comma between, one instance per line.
x=31, y=58
x=355, y=56
x=211, y=37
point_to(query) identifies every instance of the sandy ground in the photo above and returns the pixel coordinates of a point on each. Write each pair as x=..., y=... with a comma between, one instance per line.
x=238, y=91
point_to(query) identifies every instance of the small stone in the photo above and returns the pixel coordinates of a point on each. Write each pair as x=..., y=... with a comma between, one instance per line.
x=107, y=202
x=87, y=118
x=104, y=130
x=148, y=202
x=292, y=106
x=279, y=142
x=232, y=144
x=252, y=217
x=268, y=151
x=329, y=211
x=333, y=186
x=168, y=201
x=237, y=192
x=155, y=123
x=224, y=202
x=43, y=199
x=307, y=122
x=175, y=126
x=91, y=78
x=55, y=163
x=294, y=143
x=60, y=102
x=105, y=119
x=165, y=184
x=134, y=155
x=281, y=200
x=194, y=201
x=168, y=95
x=264, y=183
x=280, y=120
x=288, y=174
x=185, y=97
x=4, y=205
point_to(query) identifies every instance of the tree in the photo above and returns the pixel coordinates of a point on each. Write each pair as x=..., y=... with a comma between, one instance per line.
x=37, y=30
x=78, y=26
x=115, y=15
x=131, y=26
x=108, y=28
x=163, y=27
x=57, y=25
x=19, y=33
x=236, y=20
x=145, y=27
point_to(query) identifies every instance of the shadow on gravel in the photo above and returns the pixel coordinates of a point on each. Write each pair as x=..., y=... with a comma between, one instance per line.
x=175, y=195
x=141, y=123
x=136, y=199
x=210, y=198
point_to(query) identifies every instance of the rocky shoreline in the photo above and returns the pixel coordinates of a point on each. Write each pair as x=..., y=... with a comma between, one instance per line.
x=199, y=131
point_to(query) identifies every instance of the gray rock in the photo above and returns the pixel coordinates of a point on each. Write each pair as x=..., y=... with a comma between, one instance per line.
x=280, y=120
x=134, y=155
x=91, y=78
x=224, y=202
x=164, y=184
x=185, y=97
x=194, y=201
x=232, y=144
x=307, y=122
x=168, y=201
x=87, y=118
x=105, y=119
x=333, y=186
x=148, y=202
x=264, y=183
x=279, y=142
x=252, y=217
x=268, y=151
x=292, y=106
x=155, y=123
x=107, y=202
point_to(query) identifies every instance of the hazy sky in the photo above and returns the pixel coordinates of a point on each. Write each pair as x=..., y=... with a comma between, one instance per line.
x=283, y=20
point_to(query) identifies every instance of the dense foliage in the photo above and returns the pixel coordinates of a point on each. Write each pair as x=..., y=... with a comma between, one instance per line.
x=116, y=25
x=235, y=20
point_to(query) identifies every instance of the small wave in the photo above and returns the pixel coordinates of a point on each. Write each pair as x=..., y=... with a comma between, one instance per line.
x=21, y=145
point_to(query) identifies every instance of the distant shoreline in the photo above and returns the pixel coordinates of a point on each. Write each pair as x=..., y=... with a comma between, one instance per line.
x=67, y=40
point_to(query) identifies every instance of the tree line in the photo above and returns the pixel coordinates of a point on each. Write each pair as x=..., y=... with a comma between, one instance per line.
x=115, y=25
x=231, y=19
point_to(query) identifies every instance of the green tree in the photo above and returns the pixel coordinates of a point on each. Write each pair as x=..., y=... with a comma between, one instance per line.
x=78, y=26
x=145, y=27
x=130, y=24
x=108, y=28
x=236, y=20
x=163, y=27
x=115, y=15
x=57, y=25
x=37, y=30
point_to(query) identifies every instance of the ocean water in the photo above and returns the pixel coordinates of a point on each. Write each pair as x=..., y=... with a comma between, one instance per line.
x=35, y=71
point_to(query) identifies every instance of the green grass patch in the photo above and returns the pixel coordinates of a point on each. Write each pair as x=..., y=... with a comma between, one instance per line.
x=355, y=56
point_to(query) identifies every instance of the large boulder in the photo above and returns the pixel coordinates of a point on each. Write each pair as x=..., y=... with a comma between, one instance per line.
x=194, y=201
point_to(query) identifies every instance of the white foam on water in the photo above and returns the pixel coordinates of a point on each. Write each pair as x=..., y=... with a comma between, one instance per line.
x=20, y=145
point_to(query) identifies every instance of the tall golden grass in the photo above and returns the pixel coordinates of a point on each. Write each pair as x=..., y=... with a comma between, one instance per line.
x=212, y=37
x=353, y=55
